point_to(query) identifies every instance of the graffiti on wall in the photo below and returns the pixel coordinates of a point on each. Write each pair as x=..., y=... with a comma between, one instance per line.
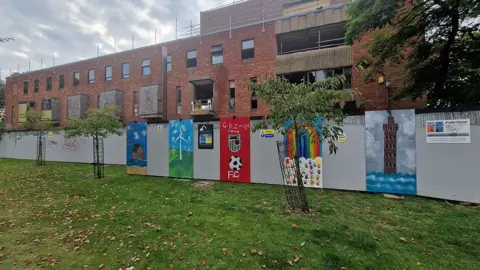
x=390, y=151
x=235, y=149
x=137, y=148
x=180, y=148
x=309, y=150
x=68, y=144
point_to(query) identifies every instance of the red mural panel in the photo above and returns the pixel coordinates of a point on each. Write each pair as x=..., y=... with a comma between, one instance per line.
x=235, y=149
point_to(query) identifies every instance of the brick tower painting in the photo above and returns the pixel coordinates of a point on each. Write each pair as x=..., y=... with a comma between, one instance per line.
x=390, y=145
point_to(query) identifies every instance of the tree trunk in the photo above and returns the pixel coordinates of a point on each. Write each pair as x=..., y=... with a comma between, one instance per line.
x=97, y=163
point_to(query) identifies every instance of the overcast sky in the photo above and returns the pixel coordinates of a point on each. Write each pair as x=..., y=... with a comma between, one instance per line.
x=71, y=29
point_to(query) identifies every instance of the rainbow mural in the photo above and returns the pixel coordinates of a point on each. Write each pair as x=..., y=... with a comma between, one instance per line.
x=309, y=152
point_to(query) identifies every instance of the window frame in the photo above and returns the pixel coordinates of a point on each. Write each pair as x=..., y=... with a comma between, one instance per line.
x=49, y=83
x=135, y=103
x=108, y=79
x=231, y=87
x=178, y=99
x=169, y=62
x=217, y=53
x=76, y=82
x=36, y=85
x=125, y=76
x=89, y=79
x=253, y=94
x=61, y=81
x=149, y=66
x=25, y=87
x=191, y=62
x=248, y=53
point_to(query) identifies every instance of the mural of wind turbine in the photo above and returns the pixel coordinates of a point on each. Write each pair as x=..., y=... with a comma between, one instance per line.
x=180, y=138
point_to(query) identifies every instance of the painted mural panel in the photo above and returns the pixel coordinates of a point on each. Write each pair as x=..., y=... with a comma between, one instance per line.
x=235, y=149
x=180, y=151
x=309, y=150
x=137, y=148
x=390, y=151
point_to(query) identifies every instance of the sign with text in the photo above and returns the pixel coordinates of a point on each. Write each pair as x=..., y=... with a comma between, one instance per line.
x=205, y=136
x=235, y=149
x=267, y=133
x=448, y=131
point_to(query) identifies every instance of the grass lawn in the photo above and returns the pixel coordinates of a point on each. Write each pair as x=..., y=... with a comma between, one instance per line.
x=59, y=217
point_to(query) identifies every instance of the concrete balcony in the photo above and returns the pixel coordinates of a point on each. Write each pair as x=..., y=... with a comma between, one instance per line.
x=202, y=107
x=317, y=59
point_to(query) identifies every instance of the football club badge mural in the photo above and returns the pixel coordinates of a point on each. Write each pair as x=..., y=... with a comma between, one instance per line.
x=137, y=148
x=180, y=148
x=309, y=150
x=390, y=151
x=235, y=149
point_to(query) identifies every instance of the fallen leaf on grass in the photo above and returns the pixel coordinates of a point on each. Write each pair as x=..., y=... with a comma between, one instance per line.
x=203, y=262
x=295, y=226
x=419, y=264
x=224, y=250
x=289, y=262
x=243, y=254
x=101, y=266
x=264, y=266
x=274, y=262
x=190, y=214
x=260, y=253
x=403, y=239
x=253, y=251
x=297, y=258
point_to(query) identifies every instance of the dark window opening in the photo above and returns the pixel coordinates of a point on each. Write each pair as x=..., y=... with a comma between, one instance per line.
x=49, y=83
x=91, y=76
x=191, y=59
x=46, y=105
x=254, y=99
x=25, y=87
x=169, y=63
x=125, y=70
x=203, y=96
x=232, y=95
x=76, y=78
x=30, y=105
x=108, y=73
x=61, y=81
x=217, y=54
x=179, y=100
x=320, y=75
x=311, y=39
x=146, y=67
x=36, y=85
x=248, y=49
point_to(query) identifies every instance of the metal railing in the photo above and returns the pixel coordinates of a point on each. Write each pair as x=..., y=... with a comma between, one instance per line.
x=333, y=43
x=202, y=105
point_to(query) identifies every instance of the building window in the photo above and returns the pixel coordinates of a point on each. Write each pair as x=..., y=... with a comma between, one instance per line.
x=76, y=78
x=49, y=83
x=46, y=105
x=36, y=86
x=145, y=67
x=232, y=95
x=61, y=81
x=108, y=73
x=217, y=54
x=254, y=100
x=169, y=63
x=25, y=87
x=179, y=100
x=91, y=76
x=135, y=103
x=125, y=70
x=248, y=49
x=191, y=59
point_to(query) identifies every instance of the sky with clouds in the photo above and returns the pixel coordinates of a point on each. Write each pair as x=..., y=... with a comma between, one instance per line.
x=71, y=30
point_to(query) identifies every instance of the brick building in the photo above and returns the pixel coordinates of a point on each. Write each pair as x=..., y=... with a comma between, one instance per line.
x=205, y=76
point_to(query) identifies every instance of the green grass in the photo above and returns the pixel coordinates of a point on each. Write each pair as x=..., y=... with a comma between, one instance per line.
x=59, y=217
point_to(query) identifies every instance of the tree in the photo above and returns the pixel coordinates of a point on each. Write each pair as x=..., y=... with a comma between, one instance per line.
x=8, y=39
x=97, y=124
x=2, y=94
x=37, y=126
x=304, y=104
x=437, y=42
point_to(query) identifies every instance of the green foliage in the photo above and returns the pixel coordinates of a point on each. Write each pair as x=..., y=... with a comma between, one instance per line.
x=436, y=41
x=304, y=103
x=97, y=123
x=8, y=39
x=35, y=123
x=2, y=94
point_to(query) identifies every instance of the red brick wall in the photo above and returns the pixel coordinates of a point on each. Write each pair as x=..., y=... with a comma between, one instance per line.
x=374, y=95
x=93, y=90
x=233, y=68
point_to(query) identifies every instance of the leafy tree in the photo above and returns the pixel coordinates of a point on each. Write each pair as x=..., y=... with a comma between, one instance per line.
x=2, y=94
x=97, y=124
x=304, y=104
x=37, y=125
x=6, y=39
x=437, y=42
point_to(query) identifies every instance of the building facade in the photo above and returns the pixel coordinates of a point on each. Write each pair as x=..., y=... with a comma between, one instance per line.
x=205, y=76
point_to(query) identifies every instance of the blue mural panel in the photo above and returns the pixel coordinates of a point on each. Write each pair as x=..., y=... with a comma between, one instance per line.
x=390, y=151
x=180, y=142
x=137, y=148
